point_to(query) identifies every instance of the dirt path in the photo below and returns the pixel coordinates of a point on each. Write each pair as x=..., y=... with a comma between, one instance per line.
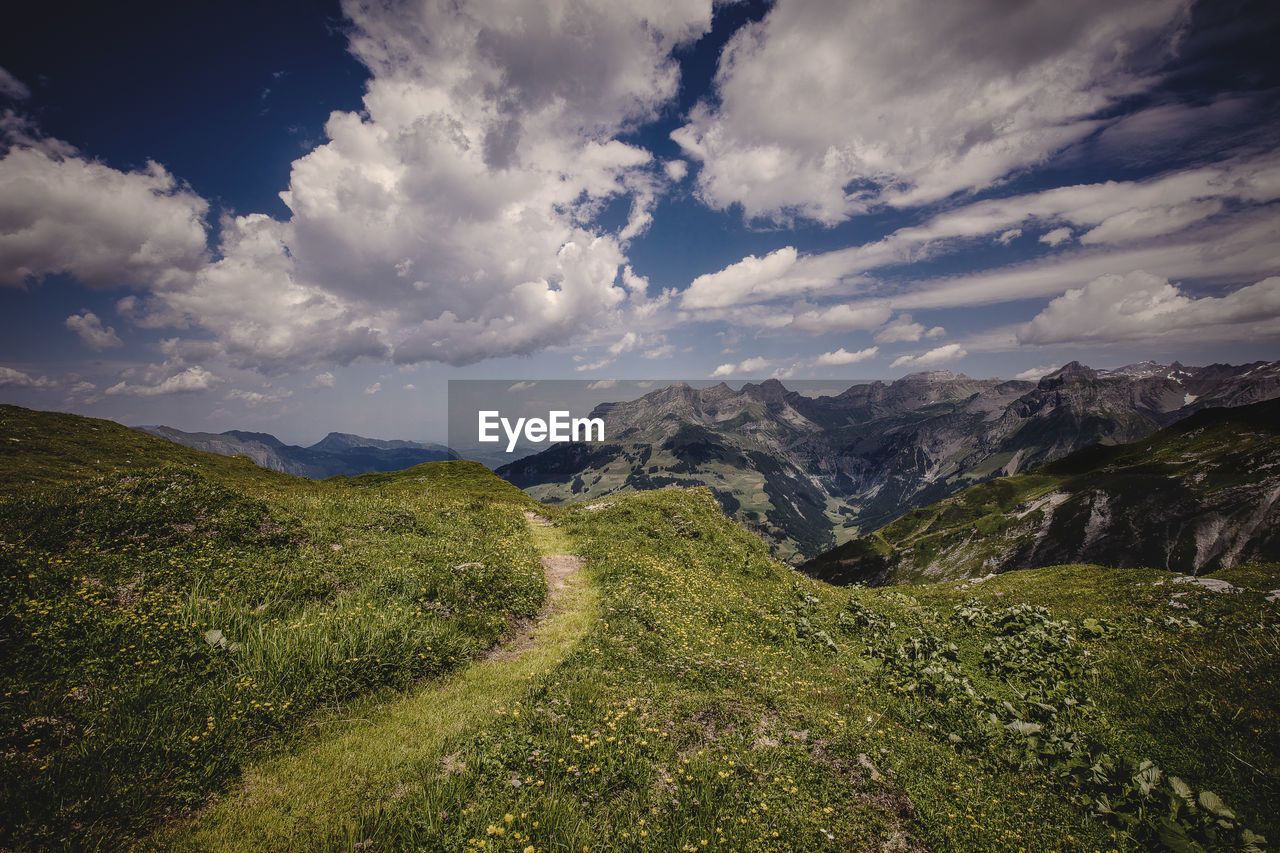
x=300, y=800
x=560, y=569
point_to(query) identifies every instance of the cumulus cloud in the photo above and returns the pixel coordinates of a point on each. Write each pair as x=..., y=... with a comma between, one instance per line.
x=749, y=280
x=323, y=380
x=1009, y=236
x=12, y=378
x=520, y=386
x=747, y=366
x=827, y=108
x=482, y=160
x=61, y=213
x=454, y=218
x=840, y=318
x=1033, y=374
x=373, y=389
x=91, y=331
x=842, y=356
x=602, y=385
x=676, y=170
x=664, y=351
x=1142, y=306
x=901, y=329
x=192, y=379
x=932, y=358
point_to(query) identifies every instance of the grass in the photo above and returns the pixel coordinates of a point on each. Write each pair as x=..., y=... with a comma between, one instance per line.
x=374, y=755
x=687, y=692
x=723, y=698
x=163, y=626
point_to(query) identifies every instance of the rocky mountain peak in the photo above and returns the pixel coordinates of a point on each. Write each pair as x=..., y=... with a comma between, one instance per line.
x=771, y=392
x=1072, y=371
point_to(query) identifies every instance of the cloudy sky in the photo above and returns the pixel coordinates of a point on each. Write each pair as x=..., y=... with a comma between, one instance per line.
x=303, y=216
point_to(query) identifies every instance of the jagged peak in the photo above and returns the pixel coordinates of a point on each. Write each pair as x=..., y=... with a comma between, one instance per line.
x=770, y=390
x=1070, y=370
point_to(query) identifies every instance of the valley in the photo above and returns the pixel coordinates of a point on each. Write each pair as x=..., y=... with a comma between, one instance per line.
x=811, y=473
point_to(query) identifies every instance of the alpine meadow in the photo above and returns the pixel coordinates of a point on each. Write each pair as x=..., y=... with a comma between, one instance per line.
x=205, y=655
x=661, y=426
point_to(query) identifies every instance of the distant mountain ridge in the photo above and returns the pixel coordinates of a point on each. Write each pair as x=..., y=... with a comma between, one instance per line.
x=1198, y=496
x=337, y=453
x=810, y=473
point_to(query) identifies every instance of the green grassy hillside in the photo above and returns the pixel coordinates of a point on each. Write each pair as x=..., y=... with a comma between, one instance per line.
x=167, y=615
x=683, y=692
x=1194, y=497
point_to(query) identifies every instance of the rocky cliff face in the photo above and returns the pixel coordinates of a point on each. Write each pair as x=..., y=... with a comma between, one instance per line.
x=337, y=453
x=1198, y=496
x=810, y=473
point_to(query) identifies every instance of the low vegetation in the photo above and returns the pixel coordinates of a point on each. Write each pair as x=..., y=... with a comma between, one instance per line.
x=688, y=693
x=162, y=626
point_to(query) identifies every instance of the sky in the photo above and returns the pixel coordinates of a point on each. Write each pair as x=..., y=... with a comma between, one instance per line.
x=308, y=216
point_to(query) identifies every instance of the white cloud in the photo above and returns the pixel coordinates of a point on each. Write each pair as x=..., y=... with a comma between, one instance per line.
x=253, y=399
x=11, y=378
x=935, y=333
x=664, y=351
x=323, y=380
x=1033, y=374
x=1009, y=236
x=264, y=314
x=189, y=380
x=747, y=366
x=676, y=169
x=826, y=108
x=841, y=357
x=483, y=158
x=751, y=279
x=901, y=329
x=373, y=389
x=454, y=218
x=13, y=88
x=1056, y=237
x=1191, y=212
x=92, y=332
x=1140, y=306
x=840, y=318
x=521, y=386
x=624, y=344
x=61, y=213
x=602, y=385
x=932, y=358
x=409, y=387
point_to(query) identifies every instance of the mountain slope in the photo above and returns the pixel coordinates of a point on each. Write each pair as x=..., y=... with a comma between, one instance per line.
x=1199, y=495
x=337, y=454
x=208, y=645
x=809, y=473
x=166, y=615
x=721, y=697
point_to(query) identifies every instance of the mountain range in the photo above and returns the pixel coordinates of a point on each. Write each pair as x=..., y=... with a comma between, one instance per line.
x=1198, y=496
x=810, y=473
x=336, y=453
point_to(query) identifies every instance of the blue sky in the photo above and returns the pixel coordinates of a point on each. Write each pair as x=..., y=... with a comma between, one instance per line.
x=302, y=217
